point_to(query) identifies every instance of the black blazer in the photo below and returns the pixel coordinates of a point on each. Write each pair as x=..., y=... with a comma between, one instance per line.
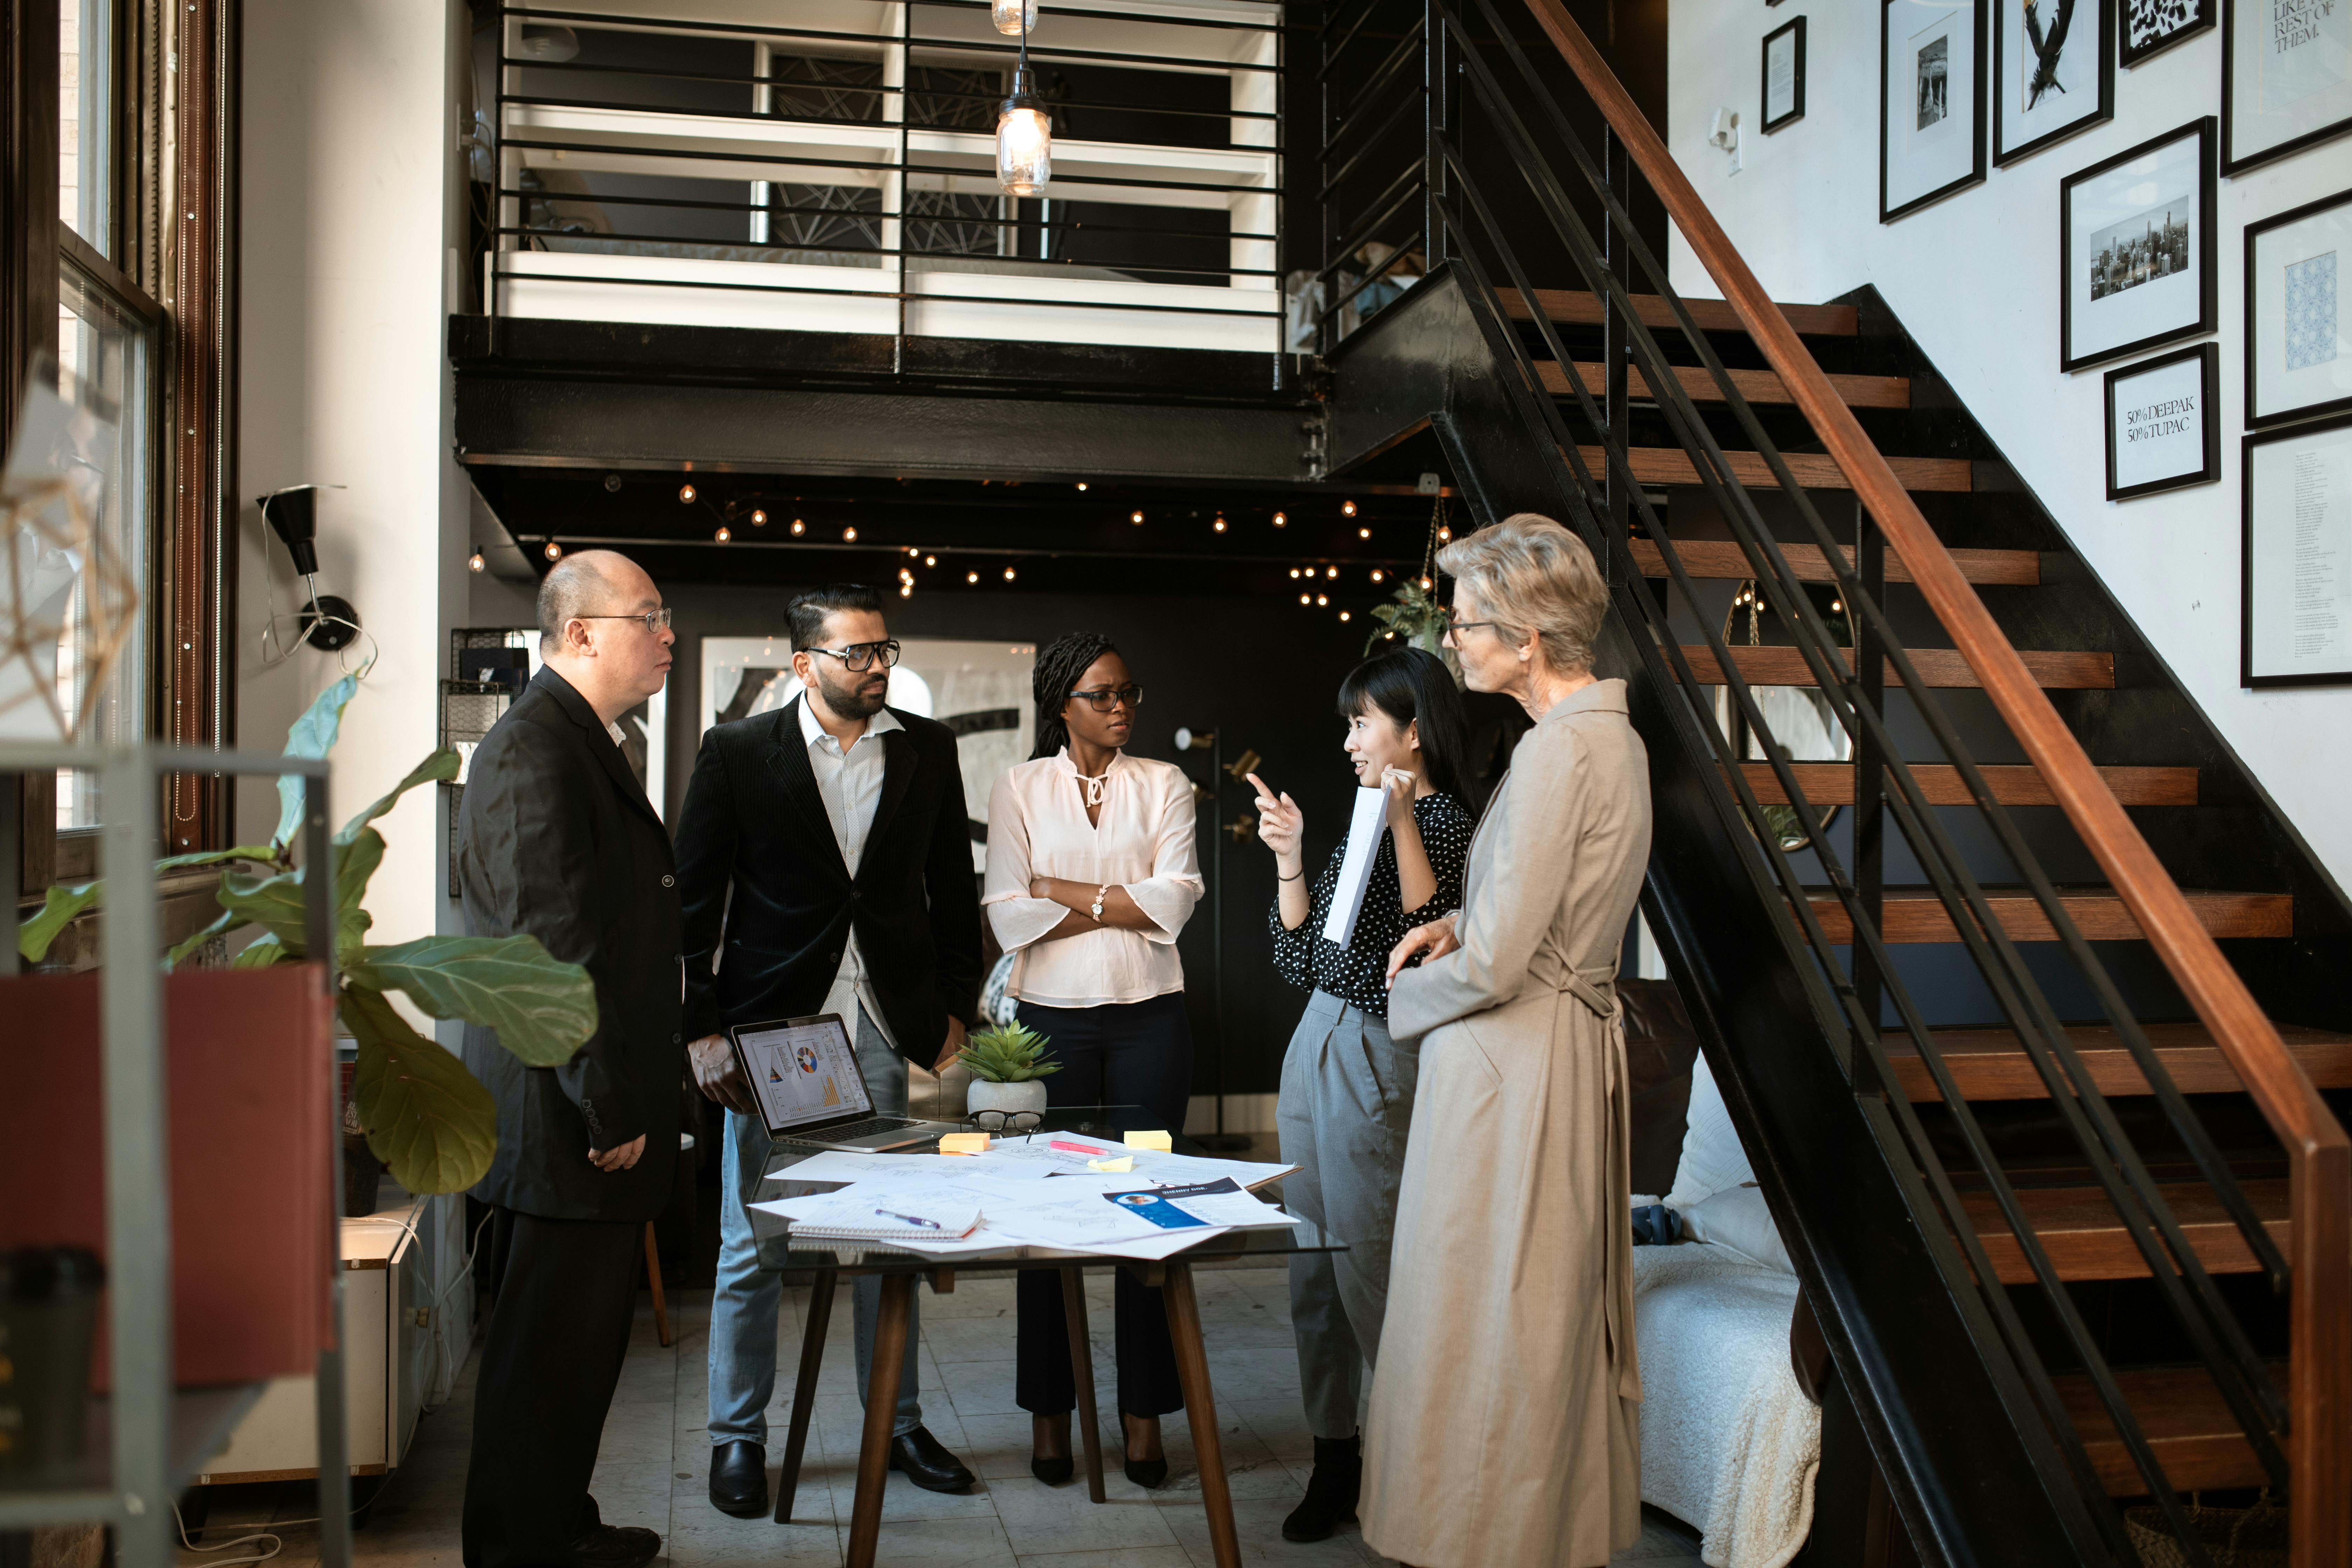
x=753, y=819
x=556, y=839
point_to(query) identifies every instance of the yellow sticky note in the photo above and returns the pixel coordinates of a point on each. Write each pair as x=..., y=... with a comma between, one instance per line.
x=963, y=1143
x=1118, y=1167
x=1158, y=1140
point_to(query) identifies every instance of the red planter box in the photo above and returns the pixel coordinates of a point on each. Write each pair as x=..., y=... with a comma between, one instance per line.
x=247, y=1058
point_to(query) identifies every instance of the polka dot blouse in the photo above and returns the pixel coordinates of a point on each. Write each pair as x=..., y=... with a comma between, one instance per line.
x=1356, y=973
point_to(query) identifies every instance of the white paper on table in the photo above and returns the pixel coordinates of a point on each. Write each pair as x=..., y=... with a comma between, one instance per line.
x=1364, y=831
x=1035, y=1156
x=1233, y=1210
x=1160, y=1244
x=908, y=1208
x=858, y=1165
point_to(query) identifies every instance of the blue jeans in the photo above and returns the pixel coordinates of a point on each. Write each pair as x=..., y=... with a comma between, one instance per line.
x=745, y=1304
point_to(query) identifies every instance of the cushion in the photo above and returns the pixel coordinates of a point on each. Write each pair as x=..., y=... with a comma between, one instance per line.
x=1712, y=1158
x=1739, y=1220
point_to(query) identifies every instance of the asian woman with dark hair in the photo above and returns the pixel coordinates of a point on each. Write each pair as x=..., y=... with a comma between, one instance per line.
x=1346, y=1088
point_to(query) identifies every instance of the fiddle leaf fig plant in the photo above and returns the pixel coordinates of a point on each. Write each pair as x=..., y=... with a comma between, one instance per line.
x=425, y=1115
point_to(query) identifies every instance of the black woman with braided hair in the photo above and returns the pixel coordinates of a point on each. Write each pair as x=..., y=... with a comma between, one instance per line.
x=1091, y=875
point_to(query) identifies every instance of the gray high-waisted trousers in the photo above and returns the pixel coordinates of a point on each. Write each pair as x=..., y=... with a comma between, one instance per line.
x=1347, y=1100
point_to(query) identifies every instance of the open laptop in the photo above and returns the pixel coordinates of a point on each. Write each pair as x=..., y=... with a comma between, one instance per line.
x=811, y=1090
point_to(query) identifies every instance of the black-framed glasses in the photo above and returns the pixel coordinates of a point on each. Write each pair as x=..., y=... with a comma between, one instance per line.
x=1005, y=1120
x=655, y=620
x=1111, y=697
x=1454, y=626
x=859, y=657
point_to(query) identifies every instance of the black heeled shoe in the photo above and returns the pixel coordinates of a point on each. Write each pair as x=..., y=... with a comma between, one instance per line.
x=1051, y=1469
x=1146, y=1473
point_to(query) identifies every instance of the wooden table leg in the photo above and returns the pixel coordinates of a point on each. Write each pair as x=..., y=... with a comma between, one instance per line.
x=1201, y=1408
x=820, y=1318
x=653, y=1277
x=1082, y=1372
x=881, y=1416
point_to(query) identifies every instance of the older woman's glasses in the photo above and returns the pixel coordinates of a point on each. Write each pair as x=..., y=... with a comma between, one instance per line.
x=1454, y=626
x=1111, y=697
x=860, y=656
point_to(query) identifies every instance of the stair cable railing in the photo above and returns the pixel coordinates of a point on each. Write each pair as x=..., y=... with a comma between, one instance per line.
x=2298, y=1437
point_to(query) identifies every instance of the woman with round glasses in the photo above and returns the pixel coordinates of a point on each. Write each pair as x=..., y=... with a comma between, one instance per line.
x=1091, y=874
x=1346, y=1088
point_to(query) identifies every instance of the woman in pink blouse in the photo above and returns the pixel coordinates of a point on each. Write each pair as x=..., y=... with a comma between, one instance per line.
x=1091, y=873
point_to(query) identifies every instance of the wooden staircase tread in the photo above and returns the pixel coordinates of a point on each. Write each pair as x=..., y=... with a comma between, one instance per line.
x=1579, y=308
x=1723, y=559
x=1811, y=470
x=2084, y=1240
x=1916, y=915
x=1832, y=783
x=1937, y=667
x=1699, y=385
x=2187, y=1425
x=1989, y=1064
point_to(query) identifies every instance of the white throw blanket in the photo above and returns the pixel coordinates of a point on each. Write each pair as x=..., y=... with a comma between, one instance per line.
x=1729, y=1443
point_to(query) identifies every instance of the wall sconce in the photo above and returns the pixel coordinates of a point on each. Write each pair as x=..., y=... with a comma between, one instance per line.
x=328, y=623
x=1723, y=132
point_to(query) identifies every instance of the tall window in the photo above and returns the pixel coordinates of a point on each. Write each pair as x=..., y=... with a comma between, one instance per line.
x=105, y=368
x=86, y=65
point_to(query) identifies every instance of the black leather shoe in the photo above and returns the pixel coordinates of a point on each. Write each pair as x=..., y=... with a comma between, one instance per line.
x=927, y=1463
x=1053, y=1471
x=1147, y=1473
x=738, y=1479
x=613, y=1546
x=1331, y=1491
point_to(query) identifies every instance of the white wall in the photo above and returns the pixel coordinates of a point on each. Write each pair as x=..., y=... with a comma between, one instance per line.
x=1975, y=280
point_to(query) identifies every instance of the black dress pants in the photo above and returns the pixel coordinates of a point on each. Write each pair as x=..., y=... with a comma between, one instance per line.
x=567, y=1290
x=1128, y=1053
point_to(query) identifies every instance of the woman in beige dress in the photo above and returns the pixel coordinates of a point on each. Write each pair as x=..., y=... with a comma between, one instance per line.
x=1502, y=1428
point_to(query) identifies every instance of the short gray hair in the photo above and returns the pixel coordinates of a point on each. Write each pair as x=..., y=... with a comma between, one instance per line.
x=571, y=586
x=1533, y=576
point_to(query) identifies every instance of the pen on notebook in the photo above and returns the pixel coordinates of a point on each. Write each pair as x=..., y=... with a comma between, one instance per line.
x=913, y=1219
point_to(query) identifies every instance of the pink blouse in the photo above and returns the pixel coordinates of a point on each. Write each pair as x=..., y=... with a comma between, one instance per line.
x=1037, y=827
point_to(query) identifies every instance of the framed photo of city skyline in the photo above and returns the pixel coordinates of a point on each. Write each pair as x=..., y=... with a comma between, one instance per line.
x=2053, y=72
x=1931, y=123
x=2136, y=248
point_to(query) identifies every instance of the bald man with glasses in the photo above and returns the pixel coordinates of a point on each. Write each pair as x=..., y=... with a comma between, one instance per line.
x=824, y=858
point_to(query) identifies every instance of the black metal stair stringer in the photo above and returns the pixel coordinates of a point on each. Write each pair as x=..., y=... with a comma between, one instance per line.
x=1974, y=1484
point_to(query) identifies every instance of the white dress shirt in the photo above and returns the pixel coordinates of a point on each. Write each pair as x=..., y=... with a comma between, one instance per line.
x=1037, y=827
x=851, y=785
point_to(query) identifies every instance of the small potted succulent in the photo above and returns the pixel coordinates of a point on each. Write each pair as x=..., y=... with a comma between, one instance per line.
x=1008, y=1065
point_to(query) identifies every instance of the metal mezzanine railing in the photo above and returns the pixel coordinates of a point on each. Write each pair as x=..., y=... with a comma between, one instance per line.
x=831, y=167
x=1443, y=143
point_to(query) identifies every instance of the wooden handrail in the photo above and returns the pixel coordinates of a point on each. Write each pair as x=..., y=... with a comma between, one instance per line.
x=2320, y=1156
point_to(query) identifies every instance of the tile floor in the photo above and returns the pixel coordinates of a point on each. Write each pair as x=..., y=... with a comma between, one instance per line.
x=654, y=1464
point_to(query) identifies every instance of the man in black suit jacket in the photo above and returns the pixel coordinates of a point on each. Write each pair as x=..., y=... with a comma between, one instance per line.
x=824, y=860
x=558, y=840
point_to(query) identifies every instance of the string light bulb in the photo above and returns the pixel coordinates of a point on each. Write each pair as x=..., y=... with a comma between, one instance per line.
x=1343, y=615
x=685, y=495
x=1294, y=574
x=1082, y=484
x=1426, y=585
x=1322, y=598
x=555, y=550
x=1281, y=520
x=931, y=559
x=971, y=576
x=1444, y=534
x=1219, y=525
x=722, y=536
x=905, y=590
x=1024, y=133
x=1008, y=574
x=475, y=563
x=1363, y=533
x=758, y=518
x=1013, y=16
x=1376, y=573
x=849, y=536
x=1135, y=518
x=1330, y=570
x=798, y=528
x=1347, y=508
x=1305, y=598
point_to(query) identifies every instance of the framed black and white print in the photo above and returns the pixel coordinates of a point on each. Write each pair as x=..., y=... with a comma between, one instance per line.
x=1931, y=134
x=2053, y=72
x=2299, y=313
x=2164, y=422
x=2286, y=77
x=2151, y=26
x=1784, y=75
x=2295, y=616
x=2135, y=244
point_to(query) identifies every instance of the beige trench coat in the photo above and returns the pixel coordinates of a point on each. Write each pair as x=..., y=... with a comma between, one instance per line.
x=1503, y=1424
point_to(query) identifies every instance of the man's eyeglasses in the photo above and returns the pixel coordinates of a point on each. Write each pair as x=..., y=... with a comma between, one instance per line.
x=859, y=657
x=655, y=620
x=1111, y=697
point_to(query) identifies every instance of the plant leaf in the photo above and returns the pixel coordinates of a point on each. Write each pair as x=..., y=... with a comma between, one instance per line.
x=425, y=1115
x=439, y=768
x=356, y=863
x=543, y=1009
x=227, y=920
x=311, y=735
x=261, y=953
x=57, y=910
x=264, y=853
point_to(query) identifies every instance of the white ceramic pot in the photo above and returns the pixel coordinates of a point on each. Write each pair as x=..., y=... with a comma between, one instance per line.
x=986, y=1096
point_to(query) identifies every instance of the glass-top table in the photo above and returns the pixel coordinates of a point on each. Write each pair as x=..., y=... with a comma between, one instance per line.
x=827, y=1261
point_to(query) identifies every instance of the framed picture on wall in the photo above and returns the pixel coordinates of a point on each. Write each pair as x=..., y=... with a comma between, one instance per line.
x=2286, y=77
x=1784, y=75
x=2164, y=422
x=2152, y=26
x=2299, y=312
x=1931, y=134
x=2053, y=72
x=2296, y=618
x=2135, y=237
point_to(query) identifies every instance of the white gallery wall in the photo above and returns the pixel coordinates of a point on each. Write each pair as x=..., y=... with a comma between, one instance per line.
x=1975, y=279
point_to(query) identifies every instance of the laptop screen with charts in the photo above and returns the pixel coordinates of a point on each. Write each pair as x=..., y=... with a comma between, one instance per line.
x=805, y=1076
